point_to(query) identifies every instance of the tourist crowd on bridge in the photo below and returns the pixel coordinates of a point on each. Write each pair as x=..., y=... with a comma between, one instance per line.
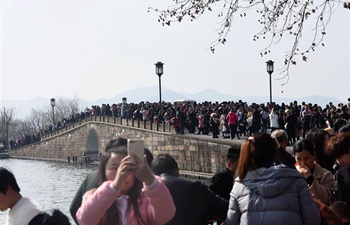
x=261, y=184
x=229, y=118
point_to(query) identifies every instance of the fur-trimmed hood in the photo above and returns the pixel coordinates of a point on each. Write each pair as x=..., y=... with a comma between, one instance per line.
x=23, y=212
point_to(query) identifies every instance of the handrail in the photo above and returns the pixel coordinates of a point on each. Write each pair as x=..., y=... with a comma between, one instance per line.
x=146, y=125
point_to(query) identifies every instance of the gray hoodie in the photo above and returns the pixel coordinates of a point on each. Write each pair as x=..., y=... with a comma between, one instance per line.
x=274, y=195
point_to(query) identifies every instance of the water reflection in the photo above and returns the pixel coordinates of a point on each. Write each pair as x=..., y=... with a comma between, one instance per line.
x=53, y=185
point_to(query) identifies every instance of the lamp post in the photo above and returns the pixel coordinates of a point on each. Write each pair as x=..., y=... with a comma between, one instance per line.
x=52, y=100
x=269, y=69
x=159, y=72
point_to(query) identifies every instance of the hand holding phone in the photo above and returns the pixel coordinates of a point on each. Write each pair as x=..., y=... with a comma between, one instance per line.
x=137, y=147
x=142, y=171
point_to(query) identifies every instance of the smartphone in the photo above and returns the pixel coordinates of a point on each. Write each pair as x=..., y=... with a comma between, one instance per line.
x=137, y=147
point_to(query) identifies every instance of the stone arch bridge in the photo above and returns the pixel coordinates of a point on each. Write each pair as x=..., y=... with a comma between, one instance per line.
x=195, y=153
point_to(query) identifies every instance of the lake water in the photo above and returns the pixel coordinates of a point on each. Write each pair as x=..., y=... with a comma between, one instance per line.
x=52, y=185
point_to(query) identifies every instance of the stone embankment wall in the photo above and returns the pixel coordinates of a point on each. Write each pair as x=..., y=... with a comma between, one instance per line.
x=192, y=152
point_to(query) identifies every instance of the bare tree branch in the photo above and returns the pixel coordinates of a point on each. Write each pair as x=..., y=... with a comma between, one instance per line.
x=7, y=116
x=278, y=18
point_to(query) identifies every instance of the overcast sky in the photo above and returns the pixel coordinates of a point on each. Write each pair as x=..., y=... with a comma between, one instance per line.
x=96, y=49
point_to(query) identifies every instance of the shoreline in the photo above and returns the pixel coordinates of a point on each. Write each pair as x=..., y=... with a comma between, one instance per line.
x=205, y=177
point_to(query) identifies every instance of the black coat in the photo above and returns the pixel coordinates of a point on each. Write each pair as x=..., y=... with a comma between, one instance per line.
x=57, y=218
x=89, y=183
x=194, y=202
x=221, y=184
x=286, y=158
x=343, y=185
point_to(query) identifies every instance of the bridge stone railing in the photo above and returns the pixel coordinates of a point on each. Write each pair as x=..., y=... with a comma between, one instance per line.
x=192, y=152
x=147, y=125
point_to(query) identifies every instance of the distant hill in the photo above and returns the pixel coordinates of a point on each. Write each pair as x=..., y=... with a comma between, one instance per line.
x=151, y=94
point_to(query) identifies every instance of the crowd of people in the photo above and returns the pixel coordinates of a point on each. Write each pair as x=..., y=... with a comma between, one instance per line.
x=261, y=182
x=231, y=119
x=235, y=118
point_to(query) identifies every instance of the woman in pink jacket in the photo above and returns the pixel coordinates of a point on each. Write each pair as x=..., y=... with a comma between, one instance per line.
x=120, y=198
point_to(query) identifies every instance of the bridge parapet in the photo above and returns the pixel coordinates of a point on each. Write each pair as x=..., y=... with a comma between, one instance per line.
x=195, y=153
x=147, y=125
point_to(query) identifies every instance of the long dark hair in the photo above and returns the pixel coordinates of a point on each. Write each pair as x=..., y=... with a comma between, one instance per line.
x=304, y=145
x=112, y=217
x=257, y=151
x=317, y=137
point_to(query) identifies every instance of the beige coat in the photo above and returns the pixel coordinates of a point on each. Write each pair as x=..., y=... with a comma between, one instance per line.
x=324, y=184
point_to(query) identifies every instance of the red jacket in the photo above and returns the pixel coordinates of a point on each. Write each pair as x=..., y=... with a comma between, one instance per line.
x=232, y=118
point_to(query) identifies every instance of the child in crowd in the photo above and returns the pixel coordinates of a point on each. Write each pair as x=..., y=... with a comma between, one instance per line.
x=120, y=198
x=175, y=122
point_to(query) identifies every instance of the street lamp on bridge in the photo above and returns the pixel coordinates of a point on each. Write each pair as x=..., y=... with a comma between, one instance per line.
x=269, y=69
x=52, y=101
x=159, y=72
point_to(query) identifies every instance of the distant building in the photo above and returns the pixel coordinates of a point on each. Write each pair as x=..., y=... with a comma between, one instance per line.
x=185, y=101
